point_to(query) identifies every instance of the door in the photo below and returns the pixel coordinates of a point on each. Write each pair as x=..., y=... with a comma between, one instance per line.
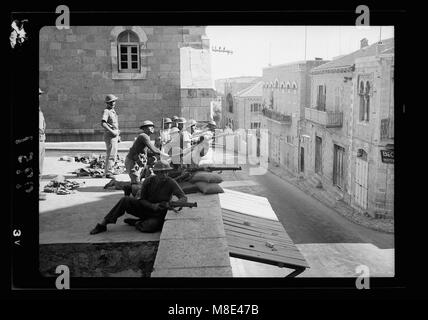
x=302, y=159
x=318, y=154
x=361, y=179
x=338, y=168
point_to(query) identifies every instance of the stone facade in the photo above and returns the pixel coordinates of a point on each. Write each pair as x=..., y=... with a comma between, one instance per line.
x=338, y=101
x=352, y=134
x=286, y=92
x=79, y=66
x=370, y=137
x=230, y=109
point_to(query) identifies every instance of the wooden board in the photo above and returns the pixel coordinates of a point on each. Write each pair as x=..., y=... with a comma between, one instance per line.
x=261, y=240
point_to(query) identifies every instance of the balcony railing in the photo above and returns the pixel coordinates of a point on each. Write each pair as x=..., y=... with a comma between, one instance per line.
x=386, y=129
x=277, y=116
x=329, y=119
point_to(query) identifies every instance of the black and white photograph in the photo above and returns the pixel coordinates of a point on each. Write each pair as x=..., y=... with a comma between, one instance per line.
x=134, y=117
x=209, y=151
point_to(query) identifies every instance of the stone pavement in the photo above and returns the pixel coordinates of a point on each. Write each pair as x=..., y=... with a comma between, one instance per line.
x=384, y=225
x=191, y=244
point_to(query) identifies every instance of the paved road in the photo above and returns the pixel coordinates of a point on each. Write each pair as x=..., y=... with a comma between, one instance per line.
x=306, y=219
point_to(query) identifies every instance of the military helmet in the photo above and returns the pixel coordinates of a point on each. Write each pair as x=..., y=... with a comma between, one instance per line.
x=110, y=98
x=212, y=123
x=191, y=122
x=181, y=120
x=146, y=123
x=161, y=165
x=174, y=118
x=167, y=120
x=40, y=91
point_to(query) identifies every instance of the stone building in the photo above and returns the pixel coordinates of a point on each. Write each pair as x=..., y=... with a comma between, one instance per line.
x=155, y=72
x=247, y=108
x=236, y=83
x=371, y=176
x=286, y=92
x=230, y=111
x=340, y=136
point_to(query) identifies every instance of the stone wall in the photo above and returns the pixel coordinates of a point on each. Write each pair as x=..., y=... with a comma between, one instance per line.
x=367, y=134
x=78, y=68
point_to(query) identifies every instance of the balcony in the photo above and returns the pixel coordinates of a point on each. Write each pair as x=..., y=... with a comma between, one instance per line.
x=329, y=119
x=386, y=129
x=277, y=116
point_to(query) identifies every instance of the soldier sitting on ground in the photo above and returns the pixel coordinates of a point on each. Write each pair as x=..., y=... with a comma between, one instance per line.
x=148, y=208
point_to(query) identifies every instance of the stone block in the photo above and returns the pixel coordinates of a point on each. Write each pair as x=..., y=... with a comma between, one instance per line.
x=100, y=53
x=46, y=68
x=153, y=45
x=193, y=228
x=192, y=253
x=55, y=46
x=70, y=38
x=148, y=30
x=219, y=272
x=157, y=96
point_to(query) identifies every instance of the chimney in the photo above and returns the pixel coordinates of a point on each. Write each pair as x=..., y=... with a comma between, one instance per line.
x=364, y=43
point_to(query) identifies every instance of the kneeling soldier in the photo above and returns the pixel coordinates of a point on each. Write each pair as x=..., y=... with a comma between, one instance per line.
x=148, y=209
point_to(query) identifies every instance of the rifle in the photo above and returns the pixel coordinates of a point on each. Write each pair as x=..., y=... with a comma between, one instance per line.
x=171, y=205
x=213, y=168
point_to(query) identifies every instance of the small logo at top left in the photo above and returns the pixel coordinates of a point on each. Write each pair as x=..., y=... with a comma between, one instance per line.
x=18, y=34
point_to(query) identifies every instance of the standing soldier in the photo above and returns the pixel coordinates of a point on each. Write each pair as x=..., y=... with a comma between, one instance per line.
x=185, y=138
x=174, y=122
x=165, y=132
x=110, y=124
x=137, y=155
x=42, y=138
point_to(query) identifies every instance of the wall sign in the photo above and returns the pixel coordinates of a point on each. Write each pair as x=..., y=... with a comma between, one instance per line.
x=387, y=156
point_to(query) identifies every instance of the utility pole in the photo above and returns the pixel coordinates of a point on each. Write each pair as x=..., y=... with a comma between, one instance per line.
x=305, y=41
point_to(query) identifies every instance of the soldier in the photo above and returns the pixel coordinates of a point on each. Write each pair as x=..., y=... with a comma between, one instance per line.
x=165, y=132
x=42, y=138
x=110, y=124
x=208, y=137
x=174, y=122
x=148, y=208
x=136, y=158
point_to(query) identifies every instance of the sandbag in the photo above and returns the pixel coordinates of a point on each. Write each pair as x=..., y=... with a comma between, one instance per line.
x=189, y=187
x=209, y=177
x=209, y=188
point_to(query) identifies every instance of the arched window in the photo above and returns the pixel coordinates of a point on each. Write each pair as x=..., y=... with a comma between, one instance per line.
x=282, y=86
x=288, y=87
x=294, y=86
x=367, y=98
x=128, y=46
x=362, y=154
x=362, y=101
x=276, y=83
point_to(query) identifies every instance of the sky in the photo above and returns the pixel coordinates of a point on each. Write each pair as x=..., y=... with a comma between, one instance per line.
x=255, y=46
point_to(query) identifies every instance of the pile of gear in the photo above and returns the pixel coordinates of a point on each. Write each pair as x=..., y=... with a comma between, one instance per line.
x=97, y=165
x=62, y=186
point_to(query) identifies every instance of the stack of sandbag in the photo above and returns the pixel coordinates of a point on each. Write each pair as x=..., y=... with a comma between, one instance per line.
x=207, y=182
x=62, y=186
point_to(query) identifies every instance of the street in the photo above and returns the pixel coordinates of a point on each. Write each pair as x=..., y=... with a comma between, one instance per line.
x=304, y=218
